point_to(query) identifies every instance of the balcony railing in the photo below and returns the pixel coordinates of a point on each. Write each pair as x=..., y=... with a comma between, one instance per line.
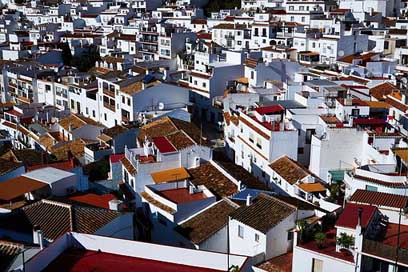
x=109, y=92
x=385, y=251
x=109, y=106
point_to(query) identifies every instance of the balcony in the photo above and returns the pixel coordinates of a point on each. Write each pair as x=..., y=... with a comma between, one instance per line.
x=109, y=106
x=148, y=40
x=109, y=92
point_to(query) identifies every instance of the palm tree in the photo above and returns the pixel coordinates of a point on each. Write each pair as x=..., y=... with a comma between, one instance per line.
x=320, y=238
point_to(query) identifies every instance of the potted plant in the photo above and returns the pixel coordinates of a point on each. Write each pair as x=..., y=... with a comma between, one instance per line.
x=345, y=241
x=320, y=239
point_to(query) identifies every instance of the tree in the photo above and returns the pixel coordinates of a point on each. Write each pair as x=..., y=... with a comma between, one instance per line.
x=87, y=60
x=66, y=54
x=320, y=238
x=345, y=240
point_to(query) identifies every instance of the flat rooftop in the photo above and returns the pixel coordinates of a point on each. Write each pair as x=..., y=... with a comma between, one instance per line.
x=75, y=260
x=181, y=195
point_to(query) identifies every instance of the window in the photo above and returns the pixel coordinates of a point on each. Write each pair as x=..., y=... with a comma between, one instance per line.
x=309, y=133
x=371, y=188
x=251, y=137
x=317, y=265
x=128, y=101
x=263, y=32
x=106, y=117
x=241, y=231
x=256, y=237
x=290, y=235
x=259, y=143
x=123, y=99
x=93, y=113
x=263, y=174
x=204, y=85
x=303, y=19
x=252, y=74
x=256, y=34
x=301, y=150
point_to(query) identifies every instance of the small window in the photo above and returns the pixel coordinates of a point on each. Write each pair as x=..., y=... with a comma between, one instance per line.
x=256, y=237
x=106, y=117
x=241, y=231
x=251, y=137
x=259, y=143
x=290, y=236
x=371, y=188
x=317, y=265
x=301, y=150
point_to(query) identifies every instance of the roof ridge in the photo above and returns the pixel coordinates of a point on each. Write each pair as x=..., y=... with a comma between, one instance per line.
x=279, y=200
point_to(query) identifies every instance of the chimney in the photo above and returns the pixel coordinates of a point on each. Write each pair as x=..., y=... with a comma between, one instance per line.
x=248, y=200
x=360, y=212
x=38, y=237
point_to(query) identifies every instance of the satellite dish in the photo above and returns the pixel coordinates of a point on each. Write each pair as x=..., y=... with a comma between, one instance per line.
x=341, y=53
x=161, y=106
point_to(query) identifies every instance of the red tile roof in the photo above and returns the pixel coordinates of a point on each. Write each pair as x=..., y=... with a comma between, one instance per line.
x=349, y=216
x=63, y=165
x=114, y=158
x=330, y=247
x=270, y=109
x=164, y=145
x=16, y=187
x=101, y=201
x=76, y=260
x=379, y=199
x=182, y=195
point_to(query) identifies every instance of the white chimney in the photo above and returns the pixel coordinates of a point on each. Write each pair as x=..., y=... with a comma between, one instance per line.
x=38, y=237
x=115, y=205
x=248, y=200
x=191, y=190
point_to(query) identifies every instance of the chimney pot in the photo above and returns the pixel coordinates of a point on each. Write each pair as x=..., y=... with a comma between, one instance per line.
x=248, y=200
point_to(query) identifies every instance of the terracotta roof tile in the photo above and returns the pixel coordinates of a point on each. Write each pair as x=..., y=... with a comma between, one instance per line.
x=214, y=180
x=180, y=140
x=156, y=203
x=264, y=213
x=205, y=224
x=289, y=169
x=381, y=91
x=128, y=166
x=18, y=186
x=56, y=218
x=379, y=199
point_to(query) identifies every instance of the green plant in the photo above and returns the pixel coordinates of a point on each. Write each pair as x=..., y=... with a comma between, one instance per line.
x=301, y=225
x=345, y=240
x=320, y=238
